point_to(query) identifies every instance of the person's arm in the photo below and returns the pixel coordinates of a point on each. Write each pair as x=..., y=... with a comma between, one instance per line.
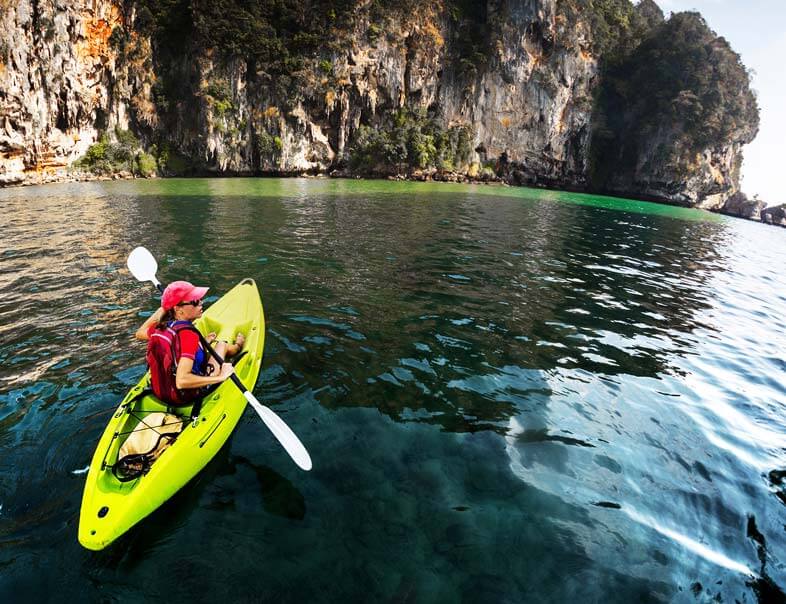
x=185, y=379
x=141, y=333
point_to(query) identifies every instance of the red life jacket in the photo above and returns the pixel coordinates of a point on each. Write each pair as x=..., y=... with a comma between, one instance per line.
x=163, y=350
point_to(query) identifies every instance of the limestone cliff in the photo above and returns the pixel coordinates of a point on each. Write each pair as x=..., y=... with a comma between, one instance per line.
x=500, y=88
x=60, y=84
x=673, y=115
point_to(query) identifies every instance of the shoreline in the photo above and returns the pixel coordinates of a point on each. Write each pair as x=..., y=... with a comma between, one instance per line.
x=453, y=177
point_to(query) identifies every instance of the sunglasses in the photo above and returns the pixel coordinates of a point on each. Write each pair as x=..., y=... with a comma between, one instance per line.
x=192, y=303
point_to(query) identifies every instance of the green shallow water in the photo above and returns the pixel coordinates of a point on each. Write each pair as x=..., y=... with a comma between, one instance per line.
x=509, y=394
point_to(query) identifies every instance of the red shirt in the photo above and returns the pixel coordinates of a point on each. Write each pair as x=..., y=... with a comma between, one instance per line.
x=189, y=347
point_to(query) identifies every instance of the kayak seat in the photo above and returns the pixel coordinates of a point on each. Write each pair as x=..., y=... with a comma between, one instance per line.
x=145, y=442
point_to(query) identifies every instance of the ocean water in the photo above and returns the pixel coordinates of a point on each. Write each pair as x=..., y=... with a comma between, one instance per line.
x=509, y=395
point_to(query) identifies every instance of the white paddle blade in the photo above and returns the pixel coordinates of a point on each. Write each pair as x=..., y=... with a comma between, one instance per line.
x=282, y=432
x=143, y=265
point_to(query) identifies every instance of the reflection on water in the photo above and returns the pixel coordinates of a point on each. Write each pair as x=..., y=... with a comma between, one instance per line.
x=509, y=394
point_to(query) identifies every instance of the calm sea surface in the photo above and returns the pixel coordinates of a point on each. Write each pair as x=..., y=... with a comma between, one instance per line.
x=509, y=395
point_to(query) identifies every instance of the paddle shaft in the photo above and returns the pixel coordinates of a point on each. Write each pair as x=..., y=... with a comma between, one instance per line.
x=277, y=426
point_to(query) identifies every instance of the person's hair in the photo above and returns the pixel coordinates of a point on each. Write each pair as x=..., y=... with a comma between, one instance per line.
x=167, y=317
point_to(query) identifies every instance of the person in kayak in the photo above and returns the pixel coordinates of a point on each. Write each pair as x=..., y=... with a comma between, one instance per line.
x=181, y=304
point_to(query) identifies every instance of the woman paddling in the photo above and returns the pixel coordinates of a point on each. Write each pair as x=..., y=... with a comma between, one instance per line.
x=181, y=304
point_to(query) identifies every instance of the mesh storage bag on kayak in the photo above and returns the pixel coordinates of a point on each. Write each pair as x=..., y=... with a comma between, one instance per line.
x=146, y=442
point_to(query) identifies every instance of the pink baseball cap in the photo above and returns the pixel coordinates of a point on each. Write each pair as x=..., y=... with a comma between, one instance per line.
x=181, y=291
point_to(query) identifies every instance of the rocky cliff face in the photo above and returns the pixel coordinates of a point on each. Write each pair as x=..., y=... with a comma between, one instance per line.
x=530, y=102
x=677, y=110
x=520, y=77
x=57, y=84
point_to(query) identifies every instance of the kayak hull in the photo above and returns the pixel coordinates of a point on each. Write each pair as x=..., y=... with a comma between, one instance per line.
x=111, y=507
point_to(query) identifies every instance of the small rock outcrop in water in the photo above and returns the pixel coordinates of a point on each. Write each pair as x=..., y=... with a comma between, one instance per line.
x=573, y=94
x=775, y=215
x=739, y=205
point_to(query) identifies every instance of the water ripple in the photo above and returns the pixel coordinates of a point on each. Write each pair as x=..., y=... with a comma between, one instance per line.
x=510, y=395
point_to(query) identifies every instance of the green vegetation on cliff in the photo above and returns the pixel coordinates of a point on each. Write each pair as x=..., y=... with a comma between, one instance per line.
x=682, y=85
x=276, y=35
x=470, y=43
x=411, y=141
x=124, y=154
x=618, y=26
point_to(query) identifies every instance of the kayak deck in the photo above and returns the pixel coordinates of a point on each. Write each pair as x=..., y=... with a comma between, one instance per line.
x=109, y=506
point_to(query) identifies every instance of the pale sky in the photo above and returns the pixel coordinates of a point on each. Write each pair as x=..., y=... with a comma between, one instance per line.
x=756, y=29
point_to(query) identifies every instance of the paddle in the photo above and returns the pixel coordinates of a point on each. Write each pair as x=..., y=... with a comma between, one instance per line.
x=143, y=266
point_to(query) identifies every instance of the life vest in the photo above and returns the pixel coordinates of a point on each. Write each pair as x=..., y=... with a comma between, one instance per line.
x=163, y=349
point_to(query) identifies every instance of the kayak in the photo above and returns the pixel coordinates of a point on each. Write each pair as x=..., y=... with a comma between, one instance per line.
x=110, y=507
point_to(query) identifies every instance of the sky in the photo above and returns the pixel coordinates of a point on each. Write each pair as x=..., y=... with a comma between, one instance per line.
x=756, y=29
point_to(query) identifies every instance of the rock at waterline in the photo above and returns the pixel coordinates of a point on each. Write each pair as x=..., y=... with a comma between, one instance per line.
x=739, y=205
x=775, y=215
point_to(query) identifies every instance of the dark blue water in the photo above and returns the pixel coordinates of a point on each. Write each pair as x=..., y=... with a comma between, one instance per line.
x=509, y=395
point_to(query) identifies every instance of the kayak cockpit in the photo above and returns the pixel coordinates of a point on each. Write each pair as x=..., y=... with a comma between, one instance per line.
x=132, y=421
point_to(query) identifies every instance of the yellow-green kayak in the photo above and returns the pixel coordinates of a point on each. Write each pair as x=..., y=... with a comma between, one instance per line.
x=110, y=506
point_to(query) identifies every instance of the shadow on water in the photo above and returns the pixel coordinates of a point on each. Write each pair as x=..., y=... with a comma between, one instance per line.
x=279, y=496
x=210, y=491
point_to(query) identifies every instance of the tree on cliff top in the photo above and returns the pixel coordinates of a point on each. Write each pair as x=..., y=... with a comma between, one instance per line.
x=617, y=26
x=694, y=77
x=682, y=79
x=650, y=12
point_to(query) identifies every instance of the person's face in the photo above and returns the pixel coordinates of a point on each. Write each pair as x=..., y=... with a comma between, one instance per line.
x=189, y=310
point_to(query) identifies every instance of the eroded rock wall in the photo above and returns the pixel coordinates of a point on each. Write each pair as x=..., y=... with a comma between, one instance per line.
x=530, y=104
x=56, y=84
